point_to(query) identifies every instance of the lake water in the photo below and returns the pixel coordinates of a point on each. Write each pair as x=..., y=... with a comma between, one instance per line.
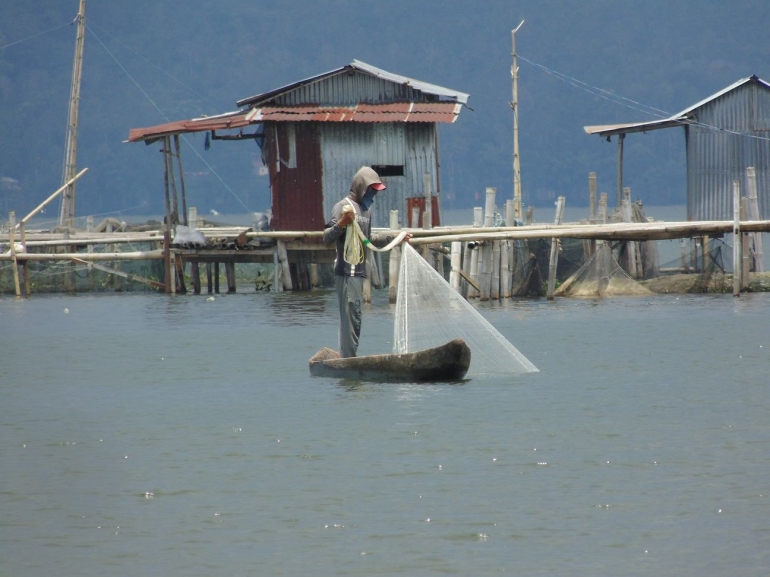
x=142, y=434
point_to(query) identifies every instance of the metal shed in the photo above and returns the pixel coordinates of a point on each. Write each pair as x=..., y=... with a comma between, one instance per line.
x=316, y=133
x=725, y=134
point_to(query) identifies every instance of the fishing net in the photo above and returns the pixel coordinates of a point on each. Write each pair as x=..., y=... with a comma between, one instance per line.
x=430, y=313
x=696, y=270
x=600, y=276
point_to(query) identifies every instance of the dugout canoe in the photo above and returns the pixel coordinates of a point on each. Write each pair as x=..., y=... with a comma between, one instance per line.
x=448, y=362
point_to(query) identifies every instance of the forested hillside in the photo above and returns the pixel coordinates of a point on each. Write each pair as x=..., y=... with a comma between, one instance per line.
x=149, y=61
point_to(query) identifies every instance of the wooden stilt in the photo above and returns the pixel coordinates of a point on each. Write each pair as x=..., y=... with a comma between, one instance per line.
x=554, y=260
x=230, y=276
x=195, y=272
x=746, y=256
x=736, y=239
x=216, y=277
x=209, y=285
x=12, y=241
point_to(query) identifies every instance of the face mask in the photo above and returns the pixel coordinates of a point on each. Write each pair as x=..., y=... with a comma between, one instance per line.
x=368, y=199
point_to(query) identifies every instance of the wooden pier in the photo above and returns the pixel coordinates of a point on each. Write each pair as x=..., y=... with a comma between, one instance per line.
x=289, y=252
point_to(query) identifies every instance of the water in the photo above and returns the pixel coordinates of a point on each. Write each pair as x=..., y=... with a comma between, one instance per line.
x=147, y=435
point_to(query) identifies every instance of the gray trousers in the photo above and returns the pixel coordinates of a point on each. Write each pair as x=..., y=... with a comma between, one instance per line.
x=350, y=295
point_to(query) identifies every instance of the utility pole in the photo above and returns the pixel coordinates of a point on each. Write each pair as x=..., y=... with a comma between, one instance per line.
x=517, y=213
x=67, y=210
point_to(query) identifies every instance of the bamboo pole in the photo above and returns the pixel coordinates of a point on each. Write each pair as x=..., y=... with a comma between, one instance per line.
x=489, y=207
x=592, y=196
x=494, y=292
x=11, y=227
x=759, y=257
x=554, y=258
x=736, y=239
x=167, y=224
x=456, y=259
x=96, y=256
x=181, y=178
x=746, y=256
x=285, y=269
x=505, y=273
x=515, y=108
x=43, y=204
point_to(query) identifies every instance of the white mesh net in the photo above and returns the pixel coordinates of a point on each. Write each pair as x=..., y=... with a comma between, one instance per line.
x=600, y=276
x=430, y=313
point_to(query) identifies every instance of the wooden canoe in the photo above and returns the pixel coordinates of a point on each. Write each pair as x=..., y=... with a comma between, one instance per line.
x=448, y=362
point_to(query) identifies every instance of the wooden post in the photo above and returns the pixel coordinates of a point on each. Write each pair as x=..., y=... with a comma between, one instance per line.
x=195, y=272
x=706, y=253
x=394, y=264
x=621, y=138
x=485, y=271
x=454, y=273
x=494, y=292
x=90, y=229
x=591, y=196
x=466, y=268
x=167, y=225
x=277, y=286
x=427, y=219
x=515, y=107
x=12, y=242
x=505, y=273
x=216, y=277
x=69, y=283
x=25, y=264
x=478, y=216
x=172, y=271
x=745, y=261
x=285, y=269
x=314, y=282
x=393, y=272
x=759, y=257
x=603, y=208
x=415, y=222
x=230, y=275
x=736, y=239
x=474, y=270
x=181, y=178
x=489, y=209
x=554, y=260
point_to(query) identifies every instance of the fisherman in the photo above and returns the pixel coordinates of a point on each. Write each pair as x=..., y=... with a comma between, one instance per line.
x=350, y=262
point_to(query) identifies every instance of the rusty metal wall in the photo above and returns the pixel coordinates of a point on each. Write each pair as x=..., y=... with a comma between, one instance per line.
x=349, y=89
x=715, y=158
x=346, y=147
x=295, y=167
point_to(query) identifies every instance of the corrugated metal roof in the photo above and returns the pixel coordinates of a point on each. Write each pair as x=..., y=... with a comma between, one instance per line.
x=678, y=119
x=228, y=120
x=391, y=112
x=425, y=87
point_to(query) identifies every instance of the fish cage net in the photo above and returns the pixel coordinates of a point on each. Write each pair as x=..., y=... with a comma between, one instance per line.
x=700, y=271
x=601, y=276
x=429, y=313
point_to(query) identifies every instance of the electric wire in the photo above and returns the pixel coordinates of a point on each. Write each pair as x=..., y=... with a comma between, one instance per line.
x=155, y=105
x=633, y=104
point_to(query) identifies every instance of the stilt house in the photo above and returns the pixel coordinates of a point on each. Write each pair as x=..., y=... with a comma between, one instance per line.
x=725, y=134
x=316, y=133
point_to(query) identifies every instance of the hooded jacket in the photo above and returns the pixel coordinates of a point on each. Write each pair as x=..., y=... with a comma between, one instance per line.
x=362, y=180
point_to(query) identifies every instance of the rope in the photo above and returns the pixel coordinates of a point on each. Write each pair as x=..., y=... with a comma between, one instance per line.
x=353, y=252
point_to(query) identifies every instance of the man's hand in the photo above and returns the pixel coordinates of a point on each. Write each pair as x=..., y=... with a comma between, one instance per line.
x=347, y=218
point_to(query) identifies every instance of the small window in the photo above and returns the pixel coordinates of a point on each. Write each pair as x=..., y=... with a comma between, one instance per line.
x=389, y=169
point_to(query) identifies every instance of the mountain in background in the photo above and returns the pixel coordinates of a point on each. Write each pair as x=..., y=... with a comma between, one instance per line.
x=581, y=63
